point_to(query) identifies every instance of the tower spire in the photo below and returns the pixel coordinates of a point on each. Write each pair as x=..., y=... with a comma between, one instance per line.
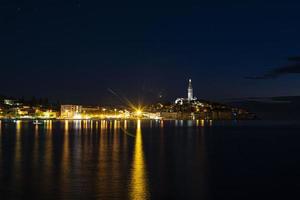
x=190, y=91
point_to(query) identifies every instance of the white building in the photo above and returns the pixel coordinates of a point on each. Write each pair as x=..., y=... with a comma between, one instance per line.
x=190, y=97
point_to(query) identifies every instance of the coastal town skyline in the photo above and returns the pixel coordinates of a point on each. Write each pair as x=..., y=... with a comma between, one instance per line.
x=281, y=107
x=187, y=107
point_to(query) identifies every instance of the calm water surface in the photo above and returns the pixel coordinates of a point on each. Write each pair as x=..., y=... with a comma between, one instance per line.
x=112, y=159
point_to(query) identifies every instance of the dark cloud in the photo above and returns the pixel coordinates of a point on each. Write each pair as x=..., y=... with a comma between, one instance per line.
x=292, y=68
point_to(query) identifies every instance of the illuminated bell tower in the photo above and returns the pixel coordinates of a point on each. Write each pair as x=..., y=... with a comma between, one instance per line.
x=190, y=91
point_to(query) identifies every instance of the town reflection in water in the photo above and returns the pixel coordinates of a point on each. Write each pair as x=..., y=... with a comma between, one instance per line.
x=115, y=160
x=84, y=159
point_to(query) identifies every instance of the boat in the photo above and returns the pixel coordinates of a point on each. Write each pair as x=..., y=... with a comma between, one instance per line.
x=37, y=122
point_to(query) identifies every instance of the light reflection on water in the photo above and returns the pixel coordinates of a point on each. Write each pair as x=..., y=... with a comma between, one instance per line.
x=139, y=188
x=18, y=155
x=70, y=154
x=0, y=143
x=66, y=156
x=65, y=161
x=125, y=159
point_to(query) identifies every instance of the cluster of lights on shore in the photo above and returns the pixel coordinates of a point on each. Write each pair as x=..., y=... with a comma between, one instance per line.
x=196, y=110
x=136, y=114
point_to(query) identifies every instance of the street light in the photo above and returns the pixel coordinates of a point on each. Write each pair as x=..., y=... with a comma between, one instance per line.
x=138, y=112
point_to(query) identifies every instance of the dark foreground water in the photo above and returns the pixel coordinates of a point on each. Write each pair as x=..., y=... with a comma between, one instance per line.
x=149, y=160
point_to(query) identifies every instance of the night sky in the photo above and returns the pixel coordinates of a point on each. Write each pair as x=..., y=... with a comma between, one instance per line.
x=92, y=52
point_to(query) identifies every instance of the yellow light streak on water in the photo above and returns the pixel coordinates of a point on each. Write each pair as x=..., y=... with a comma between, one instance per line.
x=202, y=123
x=0, y=141
x=138, y=183
x=18, y=152
x=125, y=125
x=65, y=163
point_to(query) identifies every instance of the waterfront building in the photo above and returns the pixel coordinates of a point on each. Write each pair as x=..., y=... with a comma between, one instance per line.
x=44, y=113
x=70, y=111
